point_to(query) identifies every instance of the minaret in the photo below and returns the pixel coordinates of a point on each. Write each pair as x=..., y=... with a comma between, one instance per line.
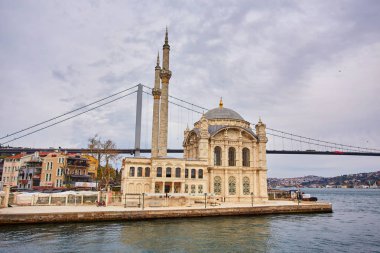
x=262, y=157
x=156, y=108
x=165, y=77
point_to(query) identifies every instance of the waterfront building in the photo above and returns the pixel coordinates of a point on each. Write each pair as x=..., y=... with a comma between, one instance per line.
x=93, y=165
x=64, y=170
x=52, y=173
x=29, y=175
x=76, y=170
x=223, y=155
x=12, y=165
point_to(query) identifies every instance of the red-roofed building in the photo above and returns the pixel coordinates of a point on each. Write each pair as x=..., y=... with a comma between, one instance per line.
x=22, y=170
x=11, y=168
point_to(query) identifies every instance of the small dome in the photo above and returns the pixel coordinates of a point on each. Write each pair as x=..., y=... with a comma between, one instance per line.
x=223, y=113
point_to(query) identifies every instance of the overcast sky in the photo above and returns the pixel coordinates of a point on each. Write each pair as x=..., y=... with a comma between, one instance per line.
x=307, y=67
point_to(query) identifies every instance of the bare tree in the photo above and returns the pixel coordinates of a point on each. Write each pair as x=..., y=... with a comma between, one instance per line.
x=104, y=152
x=109, y=156
x=95, y=147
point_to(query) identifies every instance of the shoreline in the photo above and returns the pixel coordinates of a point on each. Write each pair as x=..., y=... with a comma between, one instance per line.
x=67, y=214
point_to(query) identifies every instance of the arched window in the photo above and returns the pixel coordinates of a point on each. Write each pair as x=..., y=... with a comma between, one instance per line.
x=177, y=172
x=132, y=171
x=246, y=186
x=139, y=172
x=218, y=185
x=186, y=173
x=159, y=172
x=232, y=185
x=231, y=156
x=217, y=156
x=245, y=157
x=193, y=173
x=186, y=188
x=200, y=173
x=147, y=172
x=168, y=172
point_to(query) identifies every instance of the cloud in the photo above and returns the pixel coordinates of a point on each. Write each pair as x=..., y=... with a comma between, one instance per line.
x=304, y=67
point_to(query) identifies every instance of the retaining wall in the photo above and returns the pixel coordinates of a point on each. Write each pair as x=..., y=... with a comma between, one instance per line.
x=157, y=214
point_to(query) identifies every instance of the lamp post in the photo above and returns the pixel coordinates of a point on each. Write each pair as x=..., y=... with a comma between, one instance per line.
x=252, y=199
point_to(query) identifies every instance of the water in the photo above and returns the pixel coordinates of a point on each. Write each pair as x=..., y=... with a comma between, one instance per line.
x=353, y=227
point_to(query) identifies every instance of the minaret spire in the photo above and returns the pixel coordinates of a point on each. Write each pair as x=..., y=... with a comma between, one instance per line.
x=165, y=77
x=158, y=60
x=166, y=36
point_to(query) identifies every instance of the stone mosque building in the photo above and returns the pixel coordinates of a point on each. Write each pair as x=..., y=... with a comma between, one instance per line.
x=223, y=156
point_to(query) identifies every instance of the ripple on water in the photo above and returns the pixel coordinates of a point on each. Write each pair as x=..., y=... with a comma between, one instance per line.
x=353, y=227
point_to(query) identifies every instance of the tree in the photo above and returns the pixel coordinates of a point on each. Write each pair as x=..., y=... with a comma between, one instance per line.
x=109, y=156
x=104, y=152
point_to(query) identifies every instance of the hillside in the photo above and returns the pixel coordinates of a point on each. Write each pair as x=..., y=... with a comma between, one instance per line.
x=360, y=180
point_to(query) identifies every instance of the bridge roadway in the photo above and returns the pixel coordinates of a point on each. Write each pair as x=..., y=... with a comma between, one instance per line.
x=11, y=151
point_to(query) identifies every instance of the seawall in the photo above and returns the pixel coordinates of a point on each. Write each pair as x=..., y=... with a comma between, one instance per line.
x=138, y=214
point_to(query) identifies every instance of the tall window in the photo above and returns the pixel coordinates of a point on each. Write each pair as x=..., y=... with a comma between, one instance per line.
x=218, y=185
x=245, y=185
x=245, y=157
x=159, y=172
x=193, y=188
x=232, y=185
x=217, y=156
x=200, y=188
x=231, y=156
x=186, y=173
x=193, y=173
x=168, y=172
x=200, y=173
x=147, y=172
x=178, y=172
x=139, y=171
x=132, y=171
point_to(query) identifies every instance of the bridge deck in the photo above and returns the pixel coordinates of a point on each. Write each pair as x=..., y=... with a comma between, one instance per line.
x=10, y=151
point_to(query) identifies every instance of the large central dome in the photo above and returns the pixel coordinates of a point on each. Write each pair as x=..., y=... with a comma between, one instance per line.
x=222, y=113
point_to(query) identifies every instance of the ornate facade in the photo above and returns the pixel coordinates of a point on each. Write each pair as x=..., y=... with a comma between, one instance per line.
x=223, y=156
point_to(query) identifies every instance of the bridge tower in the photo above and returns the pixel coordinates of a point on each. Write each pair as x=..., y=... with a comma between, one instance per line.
x=165, y=75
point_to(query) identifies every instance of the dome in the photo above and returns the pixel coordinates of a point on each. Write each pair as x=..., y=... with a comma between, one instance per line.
x=223, y=113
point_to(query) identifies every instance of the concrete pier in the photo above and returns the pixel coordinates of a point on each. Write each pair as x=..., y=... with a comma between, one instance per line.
x=59, y=214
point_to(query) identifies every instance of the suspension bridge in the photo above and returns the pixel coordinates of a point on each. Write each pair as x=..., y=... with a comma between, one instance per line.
x=282, y=142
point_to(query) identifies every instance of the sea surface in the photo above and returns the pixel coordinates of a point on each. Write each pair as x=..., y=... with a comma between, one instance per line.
x=354, y=226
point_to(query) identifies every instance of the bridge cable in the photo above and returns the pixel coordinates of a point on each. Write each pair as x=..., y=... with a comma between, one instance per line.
x=308, y=141
x=66, y=113
x=71, y=117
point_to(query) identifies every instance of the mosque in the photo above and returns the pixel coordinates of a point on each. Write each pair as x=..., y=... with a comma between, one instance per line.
x=223, y=155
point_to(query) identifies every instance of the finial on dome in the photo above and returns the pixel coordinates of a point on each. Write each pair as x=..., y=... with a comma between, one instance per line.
x=221, y=102
x=260, y=119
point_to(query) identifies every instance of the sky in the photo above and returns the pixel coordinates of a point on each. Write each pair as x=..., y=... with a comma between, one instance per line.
x=306, y=67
